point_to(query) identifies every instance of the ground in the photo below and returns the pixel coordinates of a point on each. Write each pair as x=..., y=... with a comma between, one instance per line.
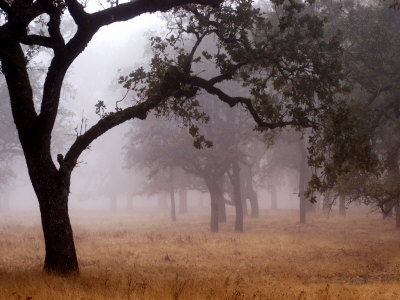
x=123, y=256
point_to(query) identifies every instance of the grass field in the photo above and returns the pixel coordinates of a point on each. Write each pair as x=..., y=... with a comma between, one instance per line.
x=123, y=257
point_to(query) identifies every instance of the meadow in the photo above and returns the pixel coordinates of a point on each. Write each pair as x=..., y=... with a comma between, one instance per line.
x=129, y=256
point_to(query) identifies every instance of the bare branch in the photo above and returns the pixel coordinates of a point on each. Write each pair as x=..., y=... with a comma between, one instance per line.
x=126, y=11
x=232, y=101
x=34, y=39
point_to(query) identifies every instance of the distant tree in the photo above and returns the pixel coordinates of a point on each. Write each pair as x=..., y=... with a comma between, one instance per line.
x=372, y=41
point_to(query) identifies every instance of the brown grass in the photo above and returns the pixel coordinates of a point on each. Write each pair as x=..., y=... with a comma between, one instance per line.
x=122, y=257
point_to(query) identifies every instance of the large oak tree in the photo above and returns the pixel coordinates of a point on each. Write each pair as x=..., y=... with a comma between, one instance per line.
x=51, y=182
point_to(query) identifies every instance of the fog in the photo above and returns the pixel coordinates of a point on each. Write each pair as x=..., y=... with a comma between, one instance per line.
x=234, y=150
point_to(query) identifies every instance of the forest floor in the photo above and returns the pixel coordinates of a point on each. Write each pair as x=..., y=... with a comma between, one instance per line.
x=124, y=257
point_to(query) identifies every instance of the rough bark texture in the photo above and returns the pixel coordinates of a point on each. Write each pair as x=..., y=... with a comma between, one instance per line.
x=52, y=191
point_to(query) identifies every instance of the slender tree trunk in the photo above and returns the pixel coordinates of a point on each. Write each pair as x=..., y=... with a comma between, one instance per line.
x=302, y=182
x=183, y=201
x=237, y=197
x=325, y=204
x=221, y=207
x=173, y=210
x=342, y=205
x=274, y=200
x=397, y=211
x=255, y=210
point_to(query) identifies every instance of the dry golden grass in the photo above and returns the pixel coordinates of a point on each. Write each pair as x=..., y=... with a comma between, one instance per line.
x=122, y=257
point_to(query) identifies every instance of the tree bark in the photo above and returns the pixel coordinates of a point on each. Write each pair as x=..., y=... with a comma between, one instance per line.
x=182, y=201
x=237, y=197
x=173, y=210
x=52, y=189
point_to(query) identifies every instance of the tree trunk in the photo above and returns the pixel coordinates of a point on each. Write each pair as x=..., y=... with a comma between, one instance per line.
x=274, y=200
x=255, y=211
x=397, y=210
x=173, y=210
x=183, y=201
x=58, y=237
x=52, y=189
x=215, y=199
x=237, y=197
x=302, y=182
x=221, y=207
x=325, y=204
x=342, y=205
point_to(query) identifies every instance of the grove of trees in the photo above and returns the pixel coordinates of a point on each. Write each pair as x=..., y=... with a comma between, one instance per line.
x=283, y=64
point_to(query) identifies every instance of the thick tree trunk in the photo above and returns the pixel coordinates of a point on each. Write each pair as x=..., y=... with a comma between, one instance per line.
x=215, y=199
x=237, y=197
x=342, y=205
x=60, y=247
x=274, y=198
x=173, y=210
x=52, y=189
x=182, y=201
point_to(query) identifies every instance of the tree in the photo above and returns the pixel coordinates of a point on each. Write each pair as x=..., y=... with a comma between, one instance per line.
x=51, y=183
x=371, y=63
